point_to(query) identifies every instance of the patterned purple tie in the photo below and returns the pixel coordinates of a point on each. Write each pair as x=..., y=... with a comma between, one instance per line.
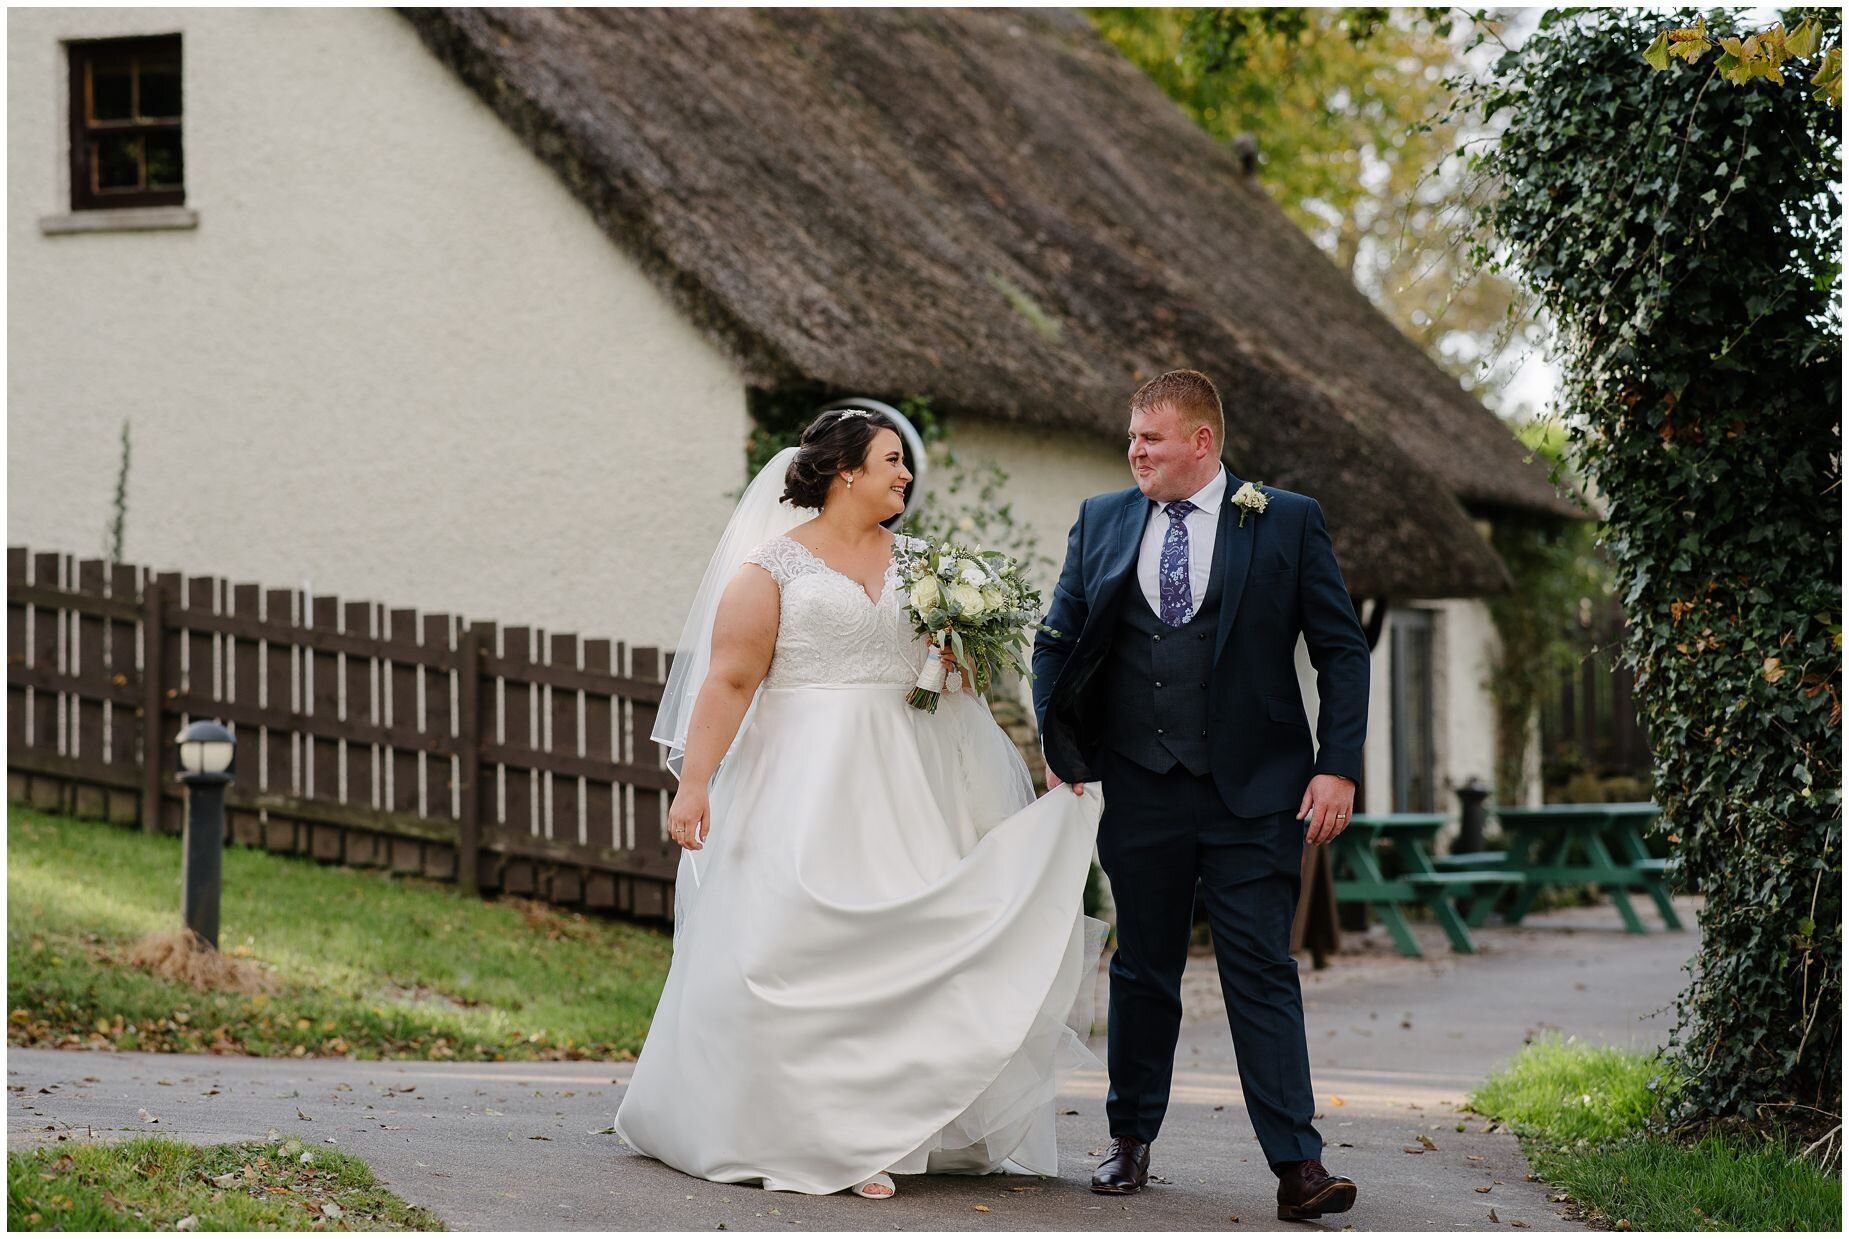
x=1177, y=593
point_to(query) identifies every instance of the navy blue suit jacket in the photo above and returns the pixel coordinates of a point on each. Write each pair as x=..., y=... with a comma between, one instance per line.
x=1279, y=580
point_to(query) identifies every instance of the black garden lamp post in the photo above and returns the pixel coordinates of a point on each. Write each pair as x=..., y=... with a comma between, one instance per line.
x=206, y=753
x=1471, y=797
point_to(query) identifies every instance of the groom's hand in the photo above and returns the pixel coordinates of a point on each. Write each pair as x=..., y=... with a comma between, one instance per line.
x=1053, y=781
x=1328, y=802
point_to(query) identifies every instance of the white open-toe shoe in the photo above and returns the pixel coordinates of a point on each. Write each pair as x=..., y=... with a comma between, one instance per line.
x=879, y=1187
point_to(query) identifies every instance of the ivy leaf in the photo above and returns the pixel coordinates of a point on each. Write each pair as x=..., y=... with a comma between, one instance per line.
x=1804, y=41
x=1829, y=78
x=1657, y=54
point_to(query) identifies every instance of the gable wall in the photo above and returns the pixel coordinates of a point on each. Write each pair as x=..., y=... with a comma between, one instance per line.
x=395, y=359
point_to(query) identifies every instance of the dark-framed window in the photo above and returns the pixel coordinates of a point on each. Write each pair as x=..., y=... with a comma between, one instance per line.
x=1414, y=774
x=125, y=124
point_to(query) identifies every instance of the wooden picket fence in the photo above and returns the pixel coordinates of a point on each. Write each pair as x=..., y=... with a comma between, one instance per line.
x=506, y=759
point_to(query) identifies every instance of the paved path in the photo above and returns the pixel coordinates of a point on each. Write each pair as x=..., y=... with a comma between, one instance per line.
x=514, y=1145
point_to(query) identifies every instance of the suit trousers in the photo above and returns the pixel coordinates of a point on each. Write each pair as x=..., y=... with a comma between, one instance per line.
x=1159, y=833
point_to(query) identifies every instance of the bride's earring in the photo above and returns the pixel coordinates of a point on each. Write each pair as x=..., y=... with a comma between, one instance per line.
x=850, y=481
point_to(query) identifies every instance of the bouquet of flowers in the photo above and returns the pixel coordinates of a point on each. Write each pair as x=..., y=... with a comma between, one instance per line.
x=975, y=603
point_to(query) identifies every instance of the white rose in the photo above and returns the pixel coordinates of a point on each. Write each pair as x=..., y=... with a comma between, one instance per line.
x=968, y=598
x=926, y=595
x=992, y=598
x=972, y=575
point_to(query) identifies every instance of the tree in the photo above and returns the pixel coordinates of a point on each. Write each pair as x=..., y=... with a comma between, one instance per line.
x=1337, y=103
x=1684, y=236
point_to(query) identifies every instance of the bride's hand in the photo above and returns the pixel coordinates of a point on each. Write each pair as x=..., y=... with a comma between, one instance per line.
x=690, y=817
x=946, y=656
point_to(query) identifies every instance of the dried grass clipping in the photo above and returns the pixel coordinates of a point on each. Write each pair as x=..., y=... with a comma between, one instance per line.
x=182, y=955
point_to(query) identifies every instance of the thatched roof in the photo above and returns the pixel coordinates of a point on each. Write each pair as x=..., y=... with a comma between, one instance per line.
x=997, y=210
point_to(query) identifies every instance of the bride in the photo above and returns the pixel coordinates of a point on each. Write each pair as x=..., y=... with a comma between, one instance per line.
x=878, y=931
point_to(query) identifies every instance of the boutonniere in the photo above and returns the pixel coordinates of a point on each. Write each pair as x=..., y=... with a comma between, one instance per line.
x=1249, y=499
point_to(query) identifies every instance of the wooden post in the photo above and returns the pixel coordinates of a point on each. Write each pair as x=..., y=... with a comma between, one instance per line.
x=469, y=761
x=153, y=699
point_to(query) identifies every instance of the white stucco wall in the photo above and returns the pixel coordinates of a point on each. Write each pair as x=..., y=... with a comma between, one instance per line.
x=1050, y=472
x=395, y=359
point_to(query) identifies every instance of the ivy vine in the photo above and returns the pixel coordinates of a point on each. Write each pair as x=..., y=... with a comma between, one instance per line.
x=1683, y=235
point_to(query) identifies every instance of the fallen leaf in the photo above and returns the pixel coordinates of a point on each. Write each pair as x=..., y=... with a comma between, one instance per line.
x=1337, y=1101
x=1493, y=1217
x=1412, y=1148
x=1473, y=1157
x=1427, y=1142
x=1482, y=1189
x=982, y=1208
x=303, y=1117
x=539, y=1137
x=189, y=1222
x=145, y=1117
x=331, y=1209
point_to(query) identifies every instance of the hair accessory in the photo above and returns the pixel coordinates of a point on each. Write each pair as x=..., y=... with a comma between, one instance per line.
x=852, y=412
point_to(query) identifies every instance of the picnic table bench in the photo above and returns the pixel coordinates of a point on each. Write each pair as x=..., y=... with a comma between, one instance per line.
x=1581, y=844
x=1359, y=877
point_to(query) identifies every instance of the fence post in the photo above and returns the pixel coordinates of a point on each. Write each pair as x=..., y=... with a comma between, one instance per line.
x=469, y=760
x=153, y=703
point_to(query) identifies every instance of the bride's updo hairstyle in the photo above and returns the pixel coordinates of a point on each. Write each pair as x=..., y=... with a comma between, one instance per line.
x=834, y=443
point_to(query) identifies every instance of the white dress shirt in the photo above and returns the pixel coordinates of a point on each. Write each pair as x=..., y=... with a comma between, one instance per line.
x=1203, y=523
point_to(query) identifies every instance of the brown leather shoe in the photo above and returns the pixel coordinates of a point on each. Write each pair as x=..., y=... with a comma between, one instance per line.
x=1308, y=1190
x=1125, y=1168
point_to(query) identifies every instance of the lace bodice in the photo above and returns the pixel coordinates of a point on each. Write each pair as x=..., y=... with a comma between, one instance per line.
x=828, y=630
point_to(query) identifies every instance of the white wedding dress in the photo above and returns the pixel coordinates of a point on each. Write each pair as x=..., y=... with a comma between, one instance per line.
x=877, y=952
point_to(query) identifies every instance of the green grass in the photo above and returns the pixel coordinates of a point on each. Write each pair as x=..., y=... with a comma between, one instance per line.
x=365, y=964
x=155, y=1184
x=1580, y=1111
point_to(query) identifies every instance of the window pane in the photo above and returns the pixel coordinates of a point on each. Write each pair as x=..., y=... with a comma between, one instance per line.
x=160, y=91
x=111, y=92
x=165, y=170
x=117, y=160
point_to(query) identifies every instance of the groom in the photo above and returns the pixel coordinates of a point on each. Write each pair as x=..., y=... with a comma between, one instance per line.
x=1173, y=683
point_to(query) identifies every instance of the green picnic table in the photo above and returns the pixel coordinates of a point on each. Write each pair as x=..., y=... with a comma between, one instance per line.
x=1576, y=845
x=1360, y=878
